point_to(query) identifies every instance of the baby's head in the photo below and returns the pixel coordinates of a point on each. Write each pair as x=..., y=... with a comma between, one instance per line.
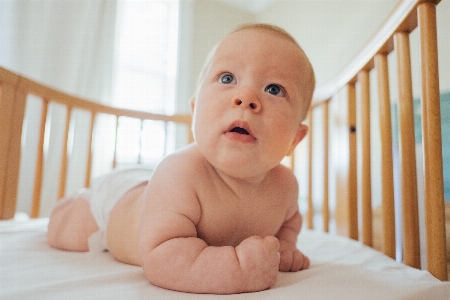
x=254, y=91
x=307, y=81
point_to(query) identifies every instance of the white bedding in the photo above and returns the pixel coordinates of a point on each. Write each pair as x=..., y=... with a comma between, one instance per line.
x=341, y=269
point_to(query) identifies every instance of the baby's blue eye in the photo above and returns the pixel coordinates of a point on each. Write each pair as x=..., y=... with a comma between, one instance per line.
x=227, y=79
x=275, y=89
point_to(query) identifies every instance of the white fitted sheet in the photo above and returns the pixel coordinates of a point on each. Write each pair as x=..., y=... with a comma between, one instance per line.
x=340, y=269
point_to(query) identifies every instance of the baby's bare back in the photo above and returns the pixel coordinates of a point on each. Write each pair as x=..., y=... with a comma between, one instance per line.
x=123, y=226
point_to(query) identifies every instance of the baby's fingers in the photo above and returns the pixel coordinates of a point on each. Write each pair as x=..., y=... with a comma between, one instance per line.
x=306, y=262
x=272, y=243
x=298, y=262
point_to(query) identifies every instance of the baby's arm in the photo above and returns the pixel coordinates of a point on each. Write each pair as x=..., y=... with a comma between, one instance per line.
x=291, y=258
x=172, y=255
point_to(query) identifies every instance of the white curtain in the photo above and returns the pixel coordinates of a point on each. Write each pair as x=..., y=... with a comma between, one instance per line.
x=68, y=45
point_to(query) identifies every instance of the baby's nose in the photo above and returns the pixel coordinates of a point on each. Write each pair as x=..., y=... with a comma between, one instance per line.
x=247, y=99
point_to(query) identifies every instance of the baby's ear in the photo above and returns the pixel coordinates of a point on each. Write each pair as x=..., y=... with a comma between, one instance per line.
x=301, y=133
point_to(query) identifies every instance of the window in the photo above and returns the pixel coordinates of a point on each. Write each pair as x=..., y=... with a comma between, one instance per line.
x=145, y=74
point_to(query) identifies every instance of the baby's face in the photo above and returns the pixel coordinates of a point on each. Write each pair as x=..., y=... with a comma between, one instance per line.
x=250, y=103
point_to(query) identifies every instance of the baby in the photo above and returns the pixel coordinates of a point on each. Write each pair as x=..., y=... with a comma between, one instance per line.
x=221, y=215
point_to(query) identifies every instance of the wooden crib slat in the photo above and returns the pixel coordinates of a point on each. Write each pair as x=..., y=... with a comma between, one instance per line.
x=140, y=142
x=7, y=94
x=63, y=171
x=352, y=169
x=12, y=110
x=325, y=207
x=116, y=140
x=387, y=174
x=6, y=112
x=87, y=182
x=12, y=180
x=38, y=177
x=432, y=144
x=310, y=212
x=411, y=240
x=166, y=134
x=366, y=189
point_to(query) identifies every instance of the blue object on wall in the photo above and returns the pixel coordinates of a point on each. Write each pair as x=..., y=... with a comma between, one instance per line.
x=445, y=127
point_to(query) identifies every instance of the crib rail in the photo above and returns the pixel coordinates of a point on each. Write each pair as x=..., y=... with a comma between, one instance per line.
x=14, y=90
x=393, y=35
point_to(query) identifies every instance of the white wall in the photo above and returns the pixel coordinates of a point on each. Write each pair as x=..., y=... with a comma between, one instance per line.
x=203, y=23
x=213, y=21
x=330, y=32
x=443, y=24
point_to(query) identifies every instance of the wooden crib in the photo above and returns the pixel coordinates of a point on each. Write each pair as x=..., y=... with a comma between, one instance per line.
x=393, y=36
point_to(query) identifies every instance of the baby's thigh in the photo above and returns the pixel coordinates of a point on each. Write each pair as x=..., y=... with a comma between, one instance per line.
x=71, y=223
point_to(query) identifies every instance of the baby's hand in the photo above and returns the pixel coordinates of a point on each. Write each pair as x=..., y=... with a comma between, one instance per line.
x=292, y=259
x=259, y=260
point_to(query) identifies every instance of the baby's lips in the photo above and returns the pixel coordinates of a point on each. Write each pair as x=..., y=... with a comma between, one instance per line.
x=241, y=124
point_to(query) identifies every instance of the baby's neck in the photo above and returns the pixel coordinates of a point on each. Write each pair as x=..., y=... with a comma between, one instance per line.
x=245, y=184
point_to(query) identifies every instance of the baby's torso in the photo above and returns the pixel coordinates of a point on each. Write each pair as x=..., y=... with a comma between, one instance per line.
x=227, y=218
x=228, y=215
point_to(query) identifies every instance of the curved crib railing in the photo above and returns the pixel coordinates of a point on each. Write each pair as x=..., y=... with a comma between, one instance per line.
x=409, y=15
x=14, y=91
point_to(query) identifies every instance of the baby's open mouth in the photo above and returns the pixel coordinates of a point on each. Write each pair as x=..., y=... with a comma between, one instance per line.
x=239, y=130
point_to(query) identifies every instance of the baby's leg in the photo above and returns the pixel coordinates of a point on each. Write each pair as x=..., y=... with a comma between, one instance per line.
x=71, y=224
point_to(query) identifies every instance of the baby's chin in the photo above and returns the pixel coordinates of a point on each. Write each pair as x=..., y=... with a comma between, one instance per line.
x=241, y=170
x=238, y=162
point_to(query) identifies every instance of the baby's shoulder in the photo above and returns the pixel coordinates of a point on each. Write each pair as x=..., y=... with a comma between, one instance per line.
x=186, y=161
x=173, y=187
x=284, y=182
x=283, y=176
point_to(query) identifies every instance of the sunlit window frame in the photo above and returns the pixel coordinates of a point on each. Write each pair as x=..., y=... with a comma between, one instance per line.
x=131, y=144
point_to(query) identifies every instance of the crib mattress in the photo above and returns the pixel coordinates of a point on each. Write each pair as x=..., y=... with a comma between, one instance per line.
x=340, y=269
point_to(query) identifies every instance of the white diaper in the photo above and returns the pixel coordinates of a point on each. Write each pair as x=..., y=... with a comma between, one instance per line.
x=105, y=192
